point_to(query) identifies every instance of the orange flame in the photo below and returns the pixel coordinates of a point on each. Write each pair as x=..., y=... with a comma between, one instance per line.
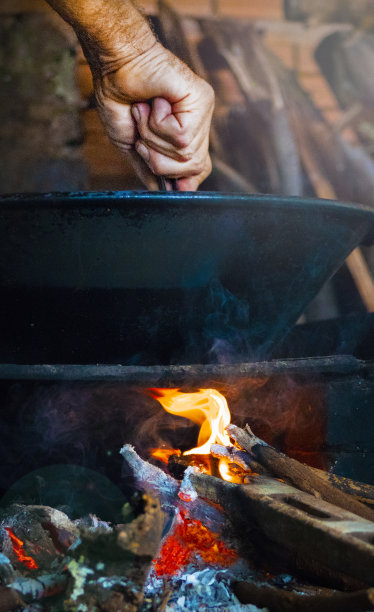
x=19, y=550
x=163, y=454
x=207, y=408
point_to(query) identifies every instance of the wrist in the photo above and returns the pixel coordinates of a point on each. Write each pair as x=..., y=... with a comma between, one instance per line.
x=107, y=54
x=111, y=32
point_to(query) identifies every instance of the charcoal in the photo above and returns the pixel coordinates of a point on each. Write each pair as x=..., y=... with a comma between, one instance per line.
x=6, y=570
x=108, y=567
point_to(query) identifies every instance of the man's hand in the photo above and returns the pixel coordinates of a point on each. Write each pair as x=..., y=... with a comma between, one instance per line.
x=153, y=106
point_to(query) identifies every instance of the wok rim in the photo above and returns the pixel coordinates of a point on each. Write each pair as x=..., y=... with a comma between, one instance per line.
x=190, y=200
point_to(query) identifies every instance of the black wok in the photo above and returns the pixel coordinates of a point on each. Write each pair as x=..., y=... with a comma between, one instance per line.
x=156, y=278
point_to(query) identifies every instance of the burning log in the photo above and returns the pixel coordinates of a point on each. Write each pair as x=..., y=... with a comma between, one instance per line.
x=241, y=458
x=300, y=475
x=171, y=493
x=278, y=600
x=178, y=464
x=361, y=491
x=151, y=479
x=315, y=536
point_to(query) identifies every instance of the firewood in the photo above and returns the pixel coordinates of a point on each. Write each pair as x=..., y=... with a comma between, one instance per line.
x=309, y=534
x=239, y=457
x=278, y=600
x=300, y=475
x=359, y=490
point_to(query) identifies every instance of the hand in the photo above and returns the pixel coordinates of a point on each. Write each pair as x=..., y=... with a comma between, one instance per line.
x=157, y=110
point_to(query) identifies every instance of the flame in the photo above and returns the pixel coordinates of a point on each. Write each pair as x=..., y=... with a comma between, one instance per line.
x=189, y=538
x=207, y=408
x=163, y=454
x=19, y=550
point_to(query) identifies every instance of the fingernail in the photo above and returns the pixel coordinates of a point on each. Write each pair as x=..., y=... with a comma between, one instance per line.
x=142, y=150
x=135, y=113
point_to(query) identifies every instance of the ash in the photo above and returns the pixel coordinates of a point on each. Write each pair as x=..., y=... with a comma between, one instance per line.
x=196, y=588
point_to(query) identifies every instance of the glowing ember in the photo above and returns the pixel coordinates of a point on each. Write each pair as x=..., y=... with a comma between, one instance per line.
x=19, y=550
x=189, y=538
x=163, y=454
x=207, y=408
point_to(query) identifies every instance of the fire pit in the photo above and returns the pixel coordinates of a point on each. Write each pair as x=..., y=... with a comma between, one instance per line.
x=197, y=554
x=124, y=486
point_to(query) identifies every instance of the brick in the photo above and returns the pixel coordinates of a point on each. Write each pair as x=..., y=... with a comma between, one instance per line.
x=198, y=8
x=319, y=91
x=306, y=62
x=266, y=9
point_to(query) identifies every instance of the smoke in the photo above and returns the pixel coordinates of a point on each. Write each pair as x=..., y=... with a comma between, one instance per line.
x=84, y=424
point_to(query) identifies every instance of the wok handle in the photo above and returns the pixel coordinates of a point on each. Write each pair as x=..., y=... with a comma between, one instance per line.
x=165, y=184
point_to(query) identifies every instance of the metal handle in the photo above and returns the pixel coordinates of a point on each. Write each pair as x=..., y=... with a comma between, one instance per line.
x=164, y=183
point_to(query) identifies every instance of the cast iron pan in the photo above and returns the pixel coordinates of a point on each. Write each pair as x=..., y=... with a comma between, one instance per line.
x=160, y=278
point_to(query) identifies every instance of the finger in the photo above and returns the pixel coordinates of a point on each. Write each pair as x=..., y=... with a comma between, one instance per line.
x=167, y=125
x=143, y=114
x=119, y=123
x=163, y=165
x=192, y=183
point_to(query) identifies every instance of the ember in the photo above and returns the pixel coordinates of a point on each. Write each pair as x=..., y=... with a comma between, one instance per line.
x=20, y=552
x=163, y=454
x=190, y=538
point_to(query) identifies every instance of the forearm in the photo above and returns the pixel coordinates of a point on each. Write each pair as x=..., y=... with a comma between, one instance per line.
x=111, y=32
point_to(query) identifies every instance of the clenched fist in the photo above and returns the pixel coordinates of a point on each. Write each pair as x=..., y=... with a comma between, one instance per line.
x=154, y=108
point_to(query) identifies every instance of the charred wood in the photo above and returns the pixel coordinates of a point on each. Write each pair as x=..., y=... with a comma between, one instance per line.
x=241, y=458
x=171, y=493
x=178, y=464
x=359, y=490
x=296, y=473
x=278, y=600
x=316, y=537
